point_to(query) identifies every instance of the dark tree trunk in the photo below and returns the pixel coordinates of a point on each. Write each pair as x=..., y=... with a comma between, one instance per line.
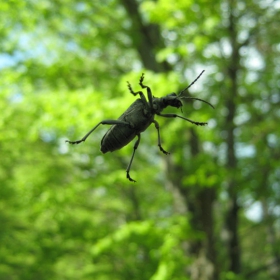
x=146, y=38
x=233, y=211
x=198, y=201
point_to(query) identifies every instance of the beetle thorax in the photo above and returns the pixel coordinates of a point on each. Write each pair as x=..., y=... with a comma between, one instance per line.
x=158, y=104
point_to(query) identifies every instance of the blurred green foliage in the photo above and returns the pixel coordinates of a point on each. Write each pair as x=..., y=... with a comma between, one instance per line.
x=68, y=212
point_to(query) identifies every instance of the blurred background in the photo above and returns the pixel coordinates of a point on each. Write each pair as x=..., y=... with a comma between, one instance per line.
x=209, y=210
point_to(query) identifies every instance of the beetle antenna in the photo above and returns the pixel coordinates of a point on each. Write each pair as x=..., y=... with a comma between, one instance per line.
x=194, y=98
x=191, y=83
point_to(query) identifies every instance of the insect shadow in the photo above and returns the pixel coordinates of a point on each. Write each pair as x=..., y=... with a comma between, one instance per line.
x=138, y=117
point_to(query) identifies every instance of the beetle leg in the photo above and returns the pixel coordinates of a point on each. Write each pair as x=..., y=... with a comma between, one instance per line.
x=177, y=116
x=159, y=142
x=142, y=96
x=149, y=92
x=129, y=165
x=110, y=122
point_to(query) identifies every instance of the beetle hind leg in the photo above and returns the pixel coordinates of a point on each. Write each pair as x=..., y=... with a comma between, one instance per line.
x=109, y=122
x=131, y=160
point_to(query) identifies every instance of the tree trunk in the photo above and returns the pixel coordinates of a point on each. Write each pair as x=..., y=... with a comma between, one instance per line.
x=146, y=39
x=231, y=164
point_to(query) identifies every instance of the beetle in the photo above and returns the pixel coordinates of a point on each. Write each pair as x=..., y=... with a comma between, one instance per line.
x=137, y=118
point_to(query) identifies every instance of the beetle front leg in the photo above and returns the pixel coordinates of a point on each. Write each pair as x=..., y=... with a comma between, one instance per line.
x=149, y=92
x=134, y=149
x=110, y=122
x=142, y=96
x=159, y=141
x=177, y=116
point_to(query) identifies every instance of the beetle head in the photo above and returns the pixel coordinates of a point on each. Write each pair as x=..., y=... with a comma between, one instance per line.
x=175, y=100
x=172, y=100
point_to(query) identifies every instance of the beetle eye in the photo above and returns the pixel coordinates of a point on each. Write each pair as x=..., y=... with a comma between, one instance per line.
x=178, y=103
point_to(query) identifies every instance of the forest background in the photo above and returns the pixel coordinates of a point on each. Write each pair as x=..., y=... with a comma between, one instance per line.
x=209, y=210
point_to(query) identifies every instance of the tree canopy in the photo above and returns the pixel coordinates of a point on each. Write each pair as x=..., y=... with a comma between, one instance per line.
x=209, y=210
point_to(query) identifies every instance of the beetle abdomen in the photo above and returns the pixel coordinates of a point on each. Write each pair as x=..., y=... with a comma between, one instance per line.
x=116, y=137
x=119, y=135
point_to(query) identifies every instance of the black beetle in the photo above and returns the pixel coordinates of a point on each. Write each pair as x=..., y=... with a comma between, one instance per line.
x=137, y=118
